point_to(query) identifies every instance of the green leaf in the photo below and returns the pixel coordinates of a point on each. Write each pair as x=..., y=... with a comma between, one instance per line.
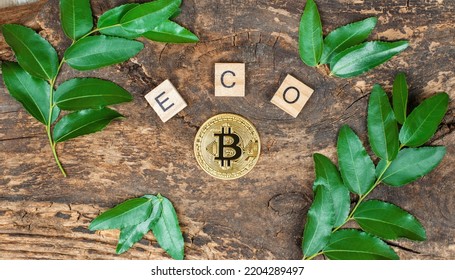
x=76, y=18
x=176, y=13
x=388, y=221
x=400, y=97
x=83, y=122
x=350, y=244
x=345, y=37
x=31, y=92
x=33, y=53
x=319, y=224
x=424, y=120
x=128, y=213
x=89, y=93
x=167, y=230
x=327, y=175
x=94, y=52
x=146, y=17
x=310, y=35
x=109, y=22
x=363, y=57
x=132, y=234
x=382, y=126
x=171, y=32
x=410, y=165
x=357, y=168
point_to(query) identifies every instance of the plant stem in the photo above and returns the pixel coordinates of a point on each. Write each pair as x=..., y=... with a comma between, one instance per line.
x=52, y=104
x=54, y=152
x=95, y=30
x=313, y=256
x=362, y=197
x=88, y=34
x=49, y=123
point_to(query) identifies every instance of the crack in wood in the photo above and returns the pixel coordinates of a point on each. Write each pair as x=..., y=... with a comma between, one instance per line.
x=161, y=53
x=396, y=245
x=355, y=101
x=188, y=123
x=20, y=138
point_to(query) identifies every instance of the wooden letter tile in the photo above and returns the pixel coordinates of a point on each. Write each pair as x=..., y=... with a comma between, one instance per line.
x=291, y=96
x=165, y=100
x=230, y=79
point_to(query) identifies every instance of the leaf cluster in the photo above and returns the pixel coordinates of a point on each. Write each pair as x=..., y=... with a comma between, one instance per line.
x=344, y=48
x=32, y=80
x=395, y=138
x=137, y=216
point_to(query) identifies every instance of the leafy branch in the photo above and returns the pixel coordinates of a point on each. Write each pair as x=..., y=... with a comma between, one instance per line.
x=32, y=80
x=401, y=161
x=344, y=48
x=137, y=216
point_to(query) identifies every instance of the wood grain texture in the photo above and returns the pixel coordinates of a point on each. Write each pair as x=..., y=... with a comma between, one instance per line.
x=260, y=216
x=20, y=13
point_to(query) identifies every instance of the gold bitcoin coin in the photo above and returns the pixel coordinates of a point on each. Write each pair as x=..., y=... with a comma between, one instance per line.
x=227, y=146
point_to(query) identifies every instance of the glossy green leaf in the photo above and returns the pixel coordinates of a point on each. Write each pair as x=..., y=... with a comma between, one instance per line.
x=410, y=165
x=400, y=97
x=146, y=17
x=424, y=120
x=345, y=37
x=34, y=54
x=167, y=231
x=31, y=92
x=356, y=167
x=363, y=57
x=310, y=35
x=176, y=13
x=109, y=22
x=83, y=122
x=171, y=32
x=132, y=234
x=327, y=175
x=319, y=224
x=388, y=221
x=350, y=244
x=76, y=18
x=94, y=52
x=382, y=125
x=128, y=213
x=89, y=93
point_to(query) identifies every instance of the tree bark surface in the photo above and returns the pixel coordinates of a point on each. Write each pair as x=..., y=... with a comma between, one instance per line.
x=262, y=215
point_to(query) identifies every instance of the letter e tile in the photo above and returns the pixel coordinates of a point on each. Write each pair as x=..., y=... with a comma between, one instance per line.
x=165, y=100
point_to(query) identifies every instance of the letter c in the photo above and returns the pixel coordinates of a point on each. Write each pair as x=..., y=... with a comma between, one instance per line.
x=222, y=79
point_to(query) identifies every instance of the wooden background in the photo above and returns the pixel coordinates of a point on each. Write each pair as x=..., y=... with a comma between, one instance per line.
x=262, y=215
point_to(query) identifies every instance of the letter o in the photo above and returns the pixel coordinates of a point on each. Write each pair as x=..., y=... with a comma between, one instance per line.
x=296, y=98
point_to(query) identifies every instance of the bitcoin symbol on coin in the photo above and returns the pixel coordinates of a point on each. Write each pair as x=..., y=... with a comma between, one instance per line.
x=227, y=146
x=226, y=157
